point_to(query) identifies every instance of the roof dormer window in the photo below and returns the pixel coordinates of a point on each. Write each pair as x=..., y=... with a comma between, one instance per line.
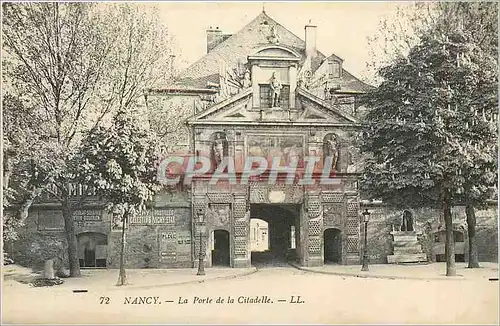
x=335, y=69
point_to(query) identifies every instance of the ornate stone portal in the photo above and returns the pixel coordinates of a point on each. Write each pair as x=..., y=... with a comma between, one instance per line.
x=276, y=118
x=319, y=210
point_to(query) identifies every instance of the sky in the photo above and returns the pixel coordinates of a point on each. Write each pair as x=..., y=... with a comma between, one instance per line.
x=342, y=27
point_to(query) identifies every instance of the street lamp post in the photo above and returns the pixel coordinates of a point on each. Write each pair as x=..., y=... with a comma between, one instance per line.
x=366, y=218
x=201, y=256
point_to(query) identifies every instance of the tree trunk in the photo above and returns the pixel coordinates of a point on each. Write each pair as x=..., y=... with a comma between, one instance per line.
x=449, y=249
x=471, y=229
x=7, y=169
x=122, y=277
x=27, y=202
x=69, y=228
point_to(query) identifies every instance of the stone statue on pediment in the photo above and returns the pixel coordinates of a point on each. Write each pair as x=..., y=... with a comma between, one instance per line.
x=246, y=82
x=274, y=36
x=276, y=87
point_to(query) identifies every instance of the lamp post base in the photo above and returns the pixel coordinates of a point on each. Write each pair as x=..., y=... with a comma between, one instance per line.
x=364, y=267
x=201, y=268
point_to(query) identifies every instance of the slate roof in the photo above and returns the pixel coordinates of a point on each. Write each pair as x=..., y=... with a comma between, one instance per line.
x=236, y=48
x=351, y=83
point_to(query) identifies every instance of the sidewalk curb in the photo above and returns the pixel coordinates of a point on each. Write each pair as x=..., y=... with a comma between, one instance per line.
x=218, y=278
x=444, y=278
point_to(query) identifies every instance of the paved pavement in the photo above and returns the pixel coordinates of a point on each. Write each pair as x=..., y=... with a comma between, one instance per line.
x=105, y=279
x=268, y=296
x=434, y=271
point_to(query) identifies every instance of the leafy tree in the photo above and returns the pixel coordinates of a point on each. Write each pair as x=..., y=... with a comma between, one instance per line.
x=402, y=31
x=121, y=163
x=20, y=130
x=59, y=84
x=479, y=167
x=403, y=28
x=418, y=126
x=97, y=60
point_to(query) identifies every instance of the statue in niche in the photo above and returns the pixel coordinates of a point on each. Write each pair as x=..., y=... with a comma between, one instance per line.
x=219, y=147
x=307, y=79
x=276, y=87
x=407, y=223
x=331, y=147
x=246, y=82
x=274, y=36
x=353, y=160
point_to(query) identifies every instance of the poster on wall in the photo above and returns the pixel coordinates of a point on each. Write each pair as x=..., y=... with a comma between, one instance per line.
x=183, y=246
x=168, y=246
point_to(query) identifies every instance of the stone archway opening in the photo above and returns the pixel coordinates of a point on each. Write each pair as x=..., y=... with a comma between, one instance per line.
x=332, y=246
x=92, y=250
x=282, y=222
x=220, y=250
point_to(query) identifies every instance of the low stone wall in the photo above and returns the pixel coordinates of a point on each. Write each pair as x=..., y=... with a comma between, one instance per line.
x=380, y=240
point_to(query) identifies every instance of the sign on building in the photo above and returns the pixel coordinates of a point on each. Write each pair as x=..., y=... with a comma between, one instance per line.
x=50, y=220
x=153, y=217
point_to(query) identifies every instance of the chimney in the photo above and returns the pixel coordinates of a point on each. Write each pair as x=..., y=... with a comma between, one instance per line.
x=310, y=39
x=214, y=37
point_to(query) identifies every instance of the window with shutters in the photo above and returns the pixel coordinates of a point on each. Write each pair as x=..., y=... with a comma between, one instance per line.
x=335, y=69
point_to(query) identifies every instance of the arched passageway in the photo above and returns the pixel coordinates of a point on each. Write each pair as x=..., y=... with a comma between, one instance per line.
x=282, y=222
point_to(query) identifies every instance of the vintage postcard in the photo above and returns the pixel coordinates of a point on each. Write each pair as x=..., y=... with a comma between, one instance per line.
x=250, y=162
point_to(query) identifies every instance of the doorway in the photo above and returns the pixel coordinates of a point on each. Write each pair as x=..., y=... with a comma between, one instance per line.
x=92, y=250
x=333, y=246
x=220, y=251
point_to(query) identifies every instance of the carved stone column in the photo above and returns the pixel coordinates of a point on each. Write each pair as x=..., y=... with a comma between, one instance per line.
x=241, y=227
x=314, y=231
x=199, y=207
x=352, y=227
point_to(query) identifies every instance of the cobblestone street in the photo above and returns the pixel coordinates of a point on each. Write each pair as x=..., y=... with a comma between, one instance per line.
x=271, y=295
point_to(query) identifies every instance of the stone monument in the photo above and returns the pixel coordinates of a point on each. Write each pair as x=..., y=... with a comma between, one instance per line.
x=48, y=269
x=406, y=248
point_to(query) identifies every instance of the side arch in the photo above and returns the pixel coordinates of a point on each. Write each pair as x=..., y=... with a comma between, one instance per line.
x=92, y=249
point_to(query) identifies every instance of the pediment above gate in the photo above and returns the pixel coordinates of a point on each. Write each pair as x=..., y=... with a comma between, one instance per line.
x=239, y=109
x=314, y=109
x=275, y=52
x=233, y=108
